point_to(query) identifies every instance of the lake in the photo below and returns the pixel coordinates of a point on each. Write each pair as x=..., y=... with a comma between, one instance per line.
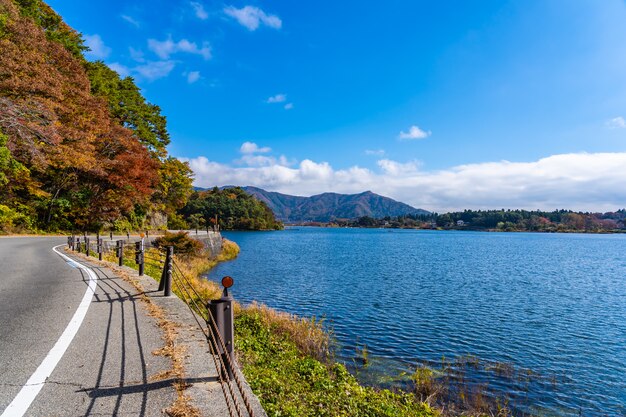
x=536, y=318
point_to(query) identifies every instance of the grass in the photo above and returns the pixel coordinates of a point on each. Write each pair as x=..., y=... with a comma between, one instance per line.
x=307, y=334
x=290, y=382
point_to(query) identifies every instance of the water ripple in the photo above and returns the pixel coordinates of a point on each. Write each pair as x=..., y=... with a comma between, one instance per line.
x=551, y=304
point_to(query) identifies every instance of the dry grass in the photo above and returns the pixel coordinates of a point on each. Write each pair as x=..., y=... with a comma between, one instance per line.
x=308, y=334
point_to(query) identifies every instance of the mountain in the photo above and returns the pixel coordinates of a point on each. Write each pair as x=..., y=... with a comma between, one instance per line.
x=329, y=206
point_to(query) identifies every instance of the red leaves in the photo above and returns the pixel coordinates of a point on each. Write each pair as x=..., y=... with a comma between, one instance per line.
x=64, y=134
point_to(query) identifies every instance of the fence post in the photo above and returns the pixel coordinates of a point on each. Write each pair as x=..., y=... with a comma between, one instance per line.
x=77, y=244
x=139, y=256
x=169, y=264
x=99, y=247
x=223, y=322
x=87, y=246
x=164, y=272
x=120, y=252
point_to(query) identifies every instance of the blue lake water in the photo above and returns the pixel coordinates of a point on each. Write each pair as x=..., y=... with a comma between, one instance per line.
x=552, y=307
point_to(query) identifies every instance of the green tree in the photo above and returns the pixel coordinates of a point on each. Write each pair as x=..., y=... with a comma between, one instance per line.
x=234, y=208
x=129, y=108
x=55, y=29
x=175, y=186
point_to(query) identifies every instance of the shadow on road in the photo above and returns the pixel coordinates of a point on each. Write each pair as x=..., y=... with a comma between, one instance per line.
x=123, y=335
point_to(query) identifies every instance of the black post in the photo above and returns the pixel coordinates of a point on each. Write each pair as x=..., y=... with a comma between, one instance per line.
x=69, y=242
x=139, y=256
x=100, y=248
x=120, y=252
x=169, y=264
x=87, y=246
x=164, y=272
x=111, y=234
x=222, y=312
x=77, y=244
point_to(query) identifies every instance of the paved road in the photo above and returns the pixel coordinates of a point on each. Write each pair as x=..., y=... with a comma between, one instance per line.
x=107, y=367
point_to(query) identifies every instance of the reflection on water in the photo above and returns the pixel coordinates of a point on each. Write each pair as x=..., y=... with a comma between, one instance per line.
x=550, y=305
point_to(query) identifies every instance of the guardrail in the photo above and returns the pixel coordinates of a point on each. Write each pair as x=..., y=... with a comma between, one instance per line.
x=217, y=315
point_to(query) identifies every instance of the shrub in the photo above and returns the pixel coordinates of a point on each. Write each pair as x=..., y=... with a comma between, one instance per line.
x=10, y=220
x=184, y=246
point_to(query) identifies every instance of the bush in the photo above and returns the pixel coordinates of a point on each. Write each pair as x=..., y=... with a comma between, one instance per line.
x=183, y=245
x=11, y=220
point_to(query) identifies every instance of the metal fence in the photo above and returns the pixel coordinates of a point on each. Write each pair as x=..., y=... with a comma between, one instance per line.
x=214, y=317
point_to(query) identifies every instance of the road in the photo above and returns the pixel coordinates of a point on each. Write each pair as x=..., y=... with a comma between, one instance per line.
x=107, y=367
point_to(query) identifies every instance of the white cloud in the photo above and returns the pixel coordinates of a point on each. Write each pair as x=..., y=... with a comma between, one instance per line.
x=397, y=169
x=579, y=181
x=288, y=106
x=98, y=50
x=278, y=98
x=122, y=70
x=251, y=147
x=164, y=49
x=151, y=71
x=136, y=54
x=198, y=8
x=375, y=152
x=616, y=123
x=193, y=76
x=252, y=17
x=130, y=20
x=414, y=133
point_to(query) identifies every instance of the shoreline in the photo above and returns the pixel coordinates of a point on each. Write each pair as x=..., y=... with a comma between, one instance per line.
x=465, y=229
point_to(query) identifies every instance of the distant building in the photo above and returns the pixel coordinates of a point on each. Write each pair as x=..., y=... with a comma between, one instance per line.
x=460, y=223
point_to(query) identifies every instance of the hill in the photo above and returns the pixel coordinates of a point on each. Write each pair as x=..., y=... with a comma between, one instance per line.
x=329, y=206
x=231, y=209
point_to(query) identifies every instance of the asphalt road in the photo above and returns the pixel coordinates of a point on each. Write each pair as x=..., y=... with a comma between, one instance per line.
x=107, y=368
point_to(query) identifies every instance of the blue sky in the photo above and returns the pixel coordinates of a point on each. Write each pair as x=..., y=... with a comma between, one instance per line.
x=444, y=105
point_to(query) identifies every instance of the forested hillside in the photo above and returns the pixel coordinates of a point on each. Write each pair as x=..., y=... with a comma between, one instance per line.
x=80, y=147
x=230, y=208
x=331, y=206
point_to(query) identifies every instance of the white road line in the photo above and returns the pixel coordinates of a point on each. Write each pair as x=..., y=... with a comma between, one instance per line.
x=27, y=394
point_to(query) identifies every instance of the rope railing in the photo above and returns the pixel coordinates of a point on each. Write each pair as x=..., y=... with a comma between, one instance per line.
x=214, y=317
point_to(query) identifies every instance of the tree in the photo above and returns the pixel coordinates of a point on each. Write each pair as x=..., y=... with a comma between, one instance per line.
x=175, y=185
x=129, y=108
x=234, y=209
x=85, y=168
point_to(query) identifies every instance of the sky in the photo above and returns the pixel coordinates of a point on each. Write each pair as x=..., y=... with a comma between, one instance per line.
x=443, y=105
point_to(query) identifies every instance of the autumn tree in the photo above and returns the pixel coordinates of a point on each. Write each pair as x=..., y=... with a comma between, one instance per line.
x=129, y=108
x=89, y=168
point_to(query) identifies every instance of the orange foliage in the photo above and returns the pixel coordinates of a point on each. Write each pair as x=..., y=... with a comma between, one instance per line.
x=61, y=132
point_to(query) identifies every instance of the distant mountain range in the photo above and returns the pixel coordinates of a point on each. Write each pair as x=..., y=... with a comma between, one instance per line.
x=329, y=206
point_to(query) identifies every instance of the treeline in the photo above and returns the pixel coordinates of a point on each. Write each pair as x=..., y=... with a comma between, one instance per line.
x=502, y=220
x=535, y=221
x=80, y=147
x=409, y=221
x=229, y=208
